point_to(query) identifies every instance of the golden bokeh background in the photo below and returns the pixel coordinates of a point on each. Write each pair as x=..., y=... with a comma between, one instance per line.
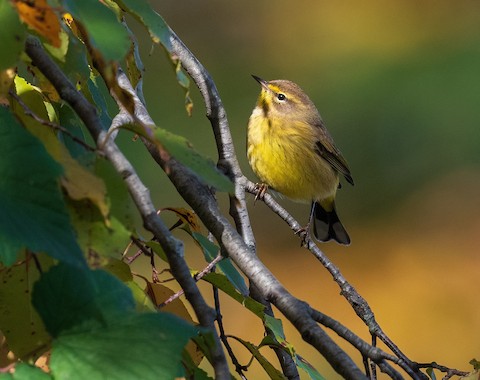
x=398, y=85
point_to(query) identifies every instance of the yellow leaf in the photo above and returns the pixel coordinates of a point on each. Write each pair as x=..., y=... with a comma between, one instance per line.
x=186, y=216
x=38, y=15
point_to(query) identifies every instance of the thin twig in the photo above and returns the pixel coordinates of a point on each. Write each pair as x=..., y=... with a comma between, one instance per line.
x=358, y=303
x=449, y=372
x=373, y=367
x=135, y=256
x=373, y=353
x=238, y=367
x=146, y=251
x=210, y=267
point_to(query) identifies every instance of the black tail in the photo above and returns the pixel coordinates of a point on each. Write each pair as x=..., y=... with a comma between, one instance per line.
x=327, y=226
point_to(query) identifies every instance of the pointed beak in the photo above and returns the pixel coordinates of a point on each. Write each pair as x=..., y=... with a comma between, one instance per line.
x=263, y=82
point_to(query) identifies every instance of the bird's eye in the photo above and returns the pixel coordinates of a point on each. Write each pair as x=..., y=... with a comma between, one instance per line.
x=281, y=97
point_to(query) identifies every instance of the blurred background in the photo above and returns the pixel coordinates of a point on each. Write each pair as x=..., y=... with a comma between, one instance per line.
x=398, y=85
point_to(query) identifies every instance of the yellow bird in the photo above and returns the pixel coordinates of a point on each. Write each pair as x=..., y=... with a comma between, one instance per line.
x=291, y=151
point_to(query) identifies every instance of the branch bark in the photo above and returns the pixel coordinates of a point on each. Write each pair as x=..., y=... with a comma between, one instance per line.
x=140, y=194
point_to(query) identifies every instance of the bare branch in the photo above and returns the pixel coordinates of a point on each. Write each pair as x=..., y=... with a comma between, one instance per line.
x=209, y=268
x=202, y=201
x=228, y=162
x=218, y=118
x=358, y=303
x=449, y=372
x=238, y=367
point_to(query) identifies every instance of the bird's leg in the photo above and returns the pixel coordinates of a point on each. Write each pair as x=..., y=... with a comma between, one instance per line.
x=304, y=232
x=260, y=189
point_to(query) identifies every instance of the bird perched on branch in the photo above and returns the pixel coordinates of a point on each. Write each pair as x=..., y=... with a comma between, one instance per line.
x=291, y=152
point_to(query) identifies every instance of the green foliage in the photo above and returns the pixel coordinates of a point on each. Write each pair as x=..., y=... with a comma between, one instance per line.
x=210, y=251
x=105, y=33
x=99, y=295
x=13, y=35
x=160, y=33
x=68, y=291
x=97, y=329
x=221, y=282
x=271, y=371
x=33, y=211
x=182, y=150
x=97, y=318
x=132, y=346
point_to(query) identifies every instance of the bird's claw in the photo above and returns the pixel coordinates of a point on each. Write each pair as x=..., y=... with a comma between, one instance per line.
x=260, y=189
x=304, y=234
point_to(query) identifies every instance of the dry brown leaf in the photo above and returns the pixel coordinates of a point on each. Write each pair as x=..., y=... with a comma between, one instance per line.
x=38, y=15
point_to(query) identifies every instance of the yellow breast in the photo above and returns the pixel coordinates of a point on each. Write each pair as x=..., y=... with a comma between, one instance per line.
x=282, y=154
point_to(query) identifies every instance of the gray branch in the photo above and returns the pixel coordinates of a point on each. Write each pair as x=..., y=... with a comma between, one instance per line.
x=227, y=158
x=140, y=194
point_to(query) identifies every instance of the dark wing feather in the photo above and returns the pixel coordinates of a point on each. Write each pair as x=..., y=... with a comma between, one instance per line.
x=329, y=152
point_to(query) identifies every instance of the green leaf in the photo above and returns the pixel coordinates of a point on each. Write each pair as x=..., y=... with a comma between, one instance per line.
x=121, y=203
x=33, y=212
x=143, y=12
x=181, y=149
x=75, y=64
x=135, y=67
x=159, y=33
x=78, y=182
x=134, y=346
x=157, y=249
x=59, y=52
x=143, y=301
x=26, y=372
x=73, y=124
x=210, y=251
x=123, y=272
x=308, y=368
x=20, y=323
x=275, y=325
x=475, y=363
x=184, y=82
x=221, y=282
x=105, y=32
x=431, y=374
x=12, y=42
x=119, y=269
x=206, y=343
x=192, y=369
x=94, y=235
x=65, y=297
x=99, y=93
x=274, y=373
